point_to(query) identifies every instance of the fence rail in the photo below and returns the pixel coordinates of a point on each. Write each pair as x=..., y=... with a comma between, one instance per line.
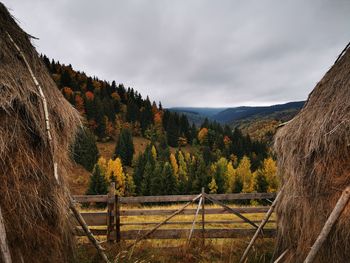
x=110, y=223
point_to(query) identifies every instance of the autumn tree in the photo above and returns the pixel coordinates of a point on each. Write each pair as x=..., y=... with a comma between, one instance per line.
x=244, y=172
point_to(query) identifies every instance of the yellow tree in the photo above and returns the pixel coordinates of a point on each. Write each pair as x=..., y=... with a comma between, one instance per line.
x=243, y=170
x=203, y=135
x=115, y=172
x=269, y=170
x=213, y=188
x=230, y=177
x=103, y=166
x=154, y=152
x=182, y=175
x=174, y=164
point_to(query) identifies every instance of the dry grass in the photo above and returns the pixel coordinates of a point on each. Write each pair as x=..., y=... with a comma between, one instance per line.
x=215, y=250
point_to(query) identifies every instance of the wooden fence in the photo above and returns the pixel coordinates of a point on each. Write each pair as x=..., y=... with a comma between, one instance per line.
x=110, y=223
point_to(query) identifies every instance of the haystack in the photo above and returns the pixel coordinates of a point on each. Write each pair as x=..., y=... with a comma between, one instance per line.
x=34, y=205
x=314, y=164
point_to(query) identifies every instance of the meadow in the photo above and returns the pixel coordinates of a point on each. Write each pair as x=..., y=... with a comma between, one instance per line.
x=180, y=250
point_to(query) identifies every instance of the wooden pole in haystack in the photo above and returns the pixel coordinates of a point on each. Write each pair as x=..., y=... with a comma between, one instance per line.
x=338, y=209
x=260, y=228
x=5, y=251
x=76, y=213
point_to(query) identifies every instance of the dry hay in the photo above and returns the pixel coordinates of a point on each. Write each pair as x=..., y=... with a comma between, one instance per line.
x=33, y=204
x=314, y=164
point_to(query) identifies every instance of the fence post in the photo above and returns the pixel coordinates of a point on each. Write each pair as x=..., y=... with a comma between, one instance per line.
x=203, y=214
x=110, y=215
x=117, y=218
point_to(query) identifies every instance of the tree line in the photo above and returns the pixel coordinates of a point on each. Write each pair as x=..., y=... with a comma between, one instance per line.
x=221, y=159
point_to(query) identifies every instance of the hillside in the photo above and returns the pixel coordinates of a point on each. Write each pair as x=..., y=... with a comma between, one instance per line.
x=279, y=112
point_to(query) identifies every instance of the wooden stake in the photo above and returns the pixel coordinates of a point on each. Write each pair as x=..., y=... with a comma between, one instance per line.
x=117, y=218
x=338, y=209
x=5, y=251
x=194, y=219
x=166, y=220
x=87, y=231
x=261, y=226
x=110, y=214
x=231, y=210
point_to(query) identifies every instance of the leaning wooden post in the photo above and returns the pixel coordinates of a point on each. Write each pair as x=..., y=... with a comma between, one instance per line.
x=117, y=218
x=5, y=251
x=194, y=220
x=110, y=214
x=260, y=228
x=203, y=216
x=87, y=231
x=338, y=209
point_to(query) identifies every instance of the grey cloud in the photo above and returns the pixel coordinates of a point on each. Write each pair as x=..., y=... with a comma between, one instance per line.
x=195, y=52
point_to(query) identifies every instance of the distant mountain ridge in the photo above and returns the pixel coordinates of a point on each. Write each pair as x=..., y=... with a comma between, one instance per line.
x=232, y=115
x=236, y=115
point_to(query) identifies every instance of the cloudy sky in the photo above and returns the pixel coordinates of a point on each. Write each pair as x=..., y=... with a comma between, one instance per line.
x=194, y=52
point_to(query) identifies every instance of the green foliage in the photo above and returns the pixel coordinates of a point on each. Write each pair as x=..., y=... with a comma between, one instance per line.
x=125, y=147
x=98, y=184
x=85, y=151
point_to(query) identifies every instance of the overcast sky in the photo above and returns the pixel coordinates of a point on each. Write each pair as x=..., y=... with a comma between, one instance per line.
x=194, y=53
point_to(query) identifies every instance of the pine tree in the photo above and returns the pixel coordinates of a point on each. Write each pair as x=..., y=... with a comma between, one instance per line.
x=85, y=150
x=169, y=181
x=172, y=131
x=98, y=183
x=261, y=185
x=139, y=168
x=125, y=147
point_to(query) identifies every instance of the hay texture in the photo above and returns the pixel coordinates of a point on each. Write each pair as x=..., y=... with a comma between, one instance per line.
x=313, y=153
x=34, y=206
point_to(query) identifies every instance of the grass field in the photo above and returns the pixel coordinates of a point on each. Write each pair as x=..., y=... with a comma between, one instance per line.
x=214, y=250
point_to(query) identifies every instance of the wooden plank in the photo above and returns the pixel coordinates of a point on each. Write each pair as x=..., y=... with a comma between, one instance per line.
x=186, y=198
x=90, y=198
x=100, y=218
x=197, y=233
x=242, y=196
x=144, y=212
x=156, y=199
x=222, y=222
x=95, y=218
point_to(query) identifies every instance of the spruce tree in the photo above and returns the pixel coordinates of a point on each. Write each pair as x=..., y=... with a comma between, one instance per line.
x=125, y=147
x=85, y=150
x=172, y=131
x=98, y=183
x=169, y=186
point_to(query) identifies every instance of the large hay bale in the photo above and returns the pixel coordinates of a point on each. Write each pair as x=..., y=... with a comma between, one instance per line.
x=33, y=204
x=314, y=164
